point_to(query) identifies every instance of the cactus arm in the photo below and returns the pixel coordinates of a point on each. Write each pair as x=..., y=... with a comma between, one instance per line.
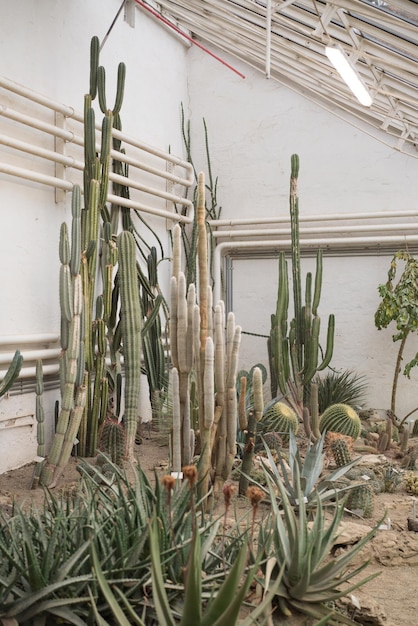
x=40, y=425
x=131, y=334
x=296, y=274
x=176, y=435
x=318, y=283
x=94, y=63
x=12, y=373
x=330, y=343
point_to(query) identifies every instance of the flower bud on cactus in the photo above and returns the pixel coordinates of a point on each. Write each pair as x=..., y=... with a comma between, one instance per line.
x=340, y=418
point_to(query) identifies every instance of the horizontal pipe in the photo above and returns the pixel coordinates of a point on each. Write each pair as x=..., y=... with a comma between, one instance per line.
x=70, y=137
x=31, y=355
x=324, y=217
x=11, y=340
x=52, y=181
x=131, y=204
x=280, y=244
x=129, y=182
x=360, y=228
x=30, y=372
x=70, y=112
x=21, y=172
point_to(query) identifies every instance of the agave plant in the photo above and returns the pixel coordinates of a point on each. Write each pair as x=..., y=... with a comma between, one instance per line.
x=346, y=387
x=311, y=578
x=304, y=475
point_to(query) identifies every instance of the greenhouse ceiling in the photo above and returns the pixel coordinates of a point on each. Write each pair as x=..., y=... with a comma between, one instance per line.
x=286, y=40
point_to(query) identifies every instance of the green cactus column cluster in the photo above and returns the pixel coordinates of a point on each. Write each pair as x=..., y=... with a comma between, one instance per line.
x=71, y=365
x=294, y=348
x=248, y=424
x=203, y=342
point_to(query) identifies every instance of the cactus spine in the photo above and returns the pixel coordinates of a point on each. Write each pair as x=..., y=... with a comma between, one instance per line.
x=294, y=348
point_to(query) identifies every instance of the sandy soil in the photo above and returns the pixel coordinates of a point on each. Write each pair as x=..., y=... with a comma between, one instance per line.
x=393, y=552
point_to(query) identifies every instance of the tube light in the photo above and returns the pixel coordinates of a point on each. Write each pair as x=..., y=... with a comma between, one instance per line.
x=348, y=73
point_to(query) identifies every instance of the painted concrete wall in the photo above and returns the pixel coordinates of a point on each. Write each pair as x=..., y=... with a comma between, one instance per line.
x=254, y=126
x=45, y=46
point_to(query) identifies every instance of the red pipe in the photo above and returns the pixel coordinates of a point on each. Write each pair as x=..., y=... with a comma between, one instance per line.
x=180, y=32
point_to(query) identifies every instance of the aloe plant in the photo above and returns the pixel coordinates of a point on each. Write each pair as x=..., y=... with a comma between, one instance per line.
x=311, y=579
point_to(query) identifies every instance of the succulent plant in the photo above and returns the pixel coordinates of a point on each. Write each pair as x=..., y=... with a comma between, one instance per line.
x=278, y=417
x=340, y=451
x=12, y=373
x=341, y=418
x=360, y=500
x=112, y=440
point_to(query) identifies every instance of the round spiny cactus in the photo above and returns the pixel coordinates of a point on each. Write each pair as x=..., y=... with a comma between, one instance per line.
x=112, y=440
x=361, y=500
x=341, y=452
x=279, y=418
x=341, y=418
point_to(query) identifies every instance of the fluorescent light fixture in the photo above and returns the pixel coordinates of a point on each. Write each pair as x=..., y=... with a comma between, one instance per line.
x=348, y=73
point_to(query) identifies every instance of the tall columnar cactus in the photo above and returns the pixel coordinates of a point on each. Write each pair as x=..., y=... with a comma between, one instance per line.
x=294, y=349
x=131, y=335
x=198, y=340
x=71, y=366
x=40, y=424
x=248, y=424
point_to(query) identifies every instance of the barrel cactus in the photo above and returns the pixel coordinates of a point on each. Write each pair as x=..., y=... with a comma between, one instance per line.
x=361, y=500
x=341, y=418
x=279, y=418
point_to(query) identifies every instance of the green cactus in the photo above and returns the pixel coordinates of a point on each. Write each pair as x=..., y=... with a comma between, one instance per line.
x=112, y=440
x=341, y=452
x=294, y=349
x=341, y=418
x=360, y=500
x=279, y=418
x=248, y=424
x=131, y=335
x=12, y=373
x=40, y=427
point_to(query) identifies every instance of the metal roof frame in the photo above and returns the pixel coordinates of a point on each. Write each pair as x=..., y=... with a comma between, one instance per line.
x=286, y=39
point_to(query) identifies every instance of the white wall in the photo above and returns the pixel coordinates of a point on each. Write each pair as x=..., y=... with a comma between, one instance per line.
x=255, y=125
x=45, y=46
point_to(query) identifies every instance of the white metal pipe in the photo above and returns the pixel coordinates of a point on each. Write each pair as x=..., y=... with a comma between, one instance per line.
x=373, y=228
x=31, y=355
x=275, y=244
x=131, y=204
x=50, y=155
x=72, y=113
x=129, y=182
x=30, y=372
x=25, y=92
x=71, y=137
x=323, y=217
x=20, y=172
x=10, y=340
x=32, y=122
